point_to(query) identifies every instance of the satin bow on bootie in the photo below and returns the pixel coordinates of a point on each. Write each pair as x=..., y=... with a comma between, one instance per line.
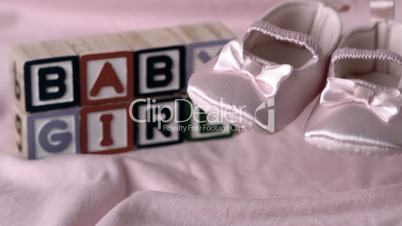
x=266, y=76
x=385, y=103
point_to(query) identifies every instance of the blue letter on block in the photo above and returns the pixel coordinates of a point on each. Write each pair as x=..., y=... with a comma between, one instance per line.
x=57, y=142
x=53, y=132
x=198, y=54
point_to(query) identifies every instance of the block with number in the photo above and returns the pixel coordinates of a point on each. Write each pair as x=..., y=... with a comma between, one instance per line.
x=201, y=126
x=203, y=42
x=106, y=129
x=158, y=122
x=45, y=76
x=106, y=69
x=47, y=133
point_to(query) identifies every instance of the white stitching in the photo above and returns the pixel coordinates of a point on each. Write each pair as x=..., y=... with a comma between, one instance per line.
x=297, y=38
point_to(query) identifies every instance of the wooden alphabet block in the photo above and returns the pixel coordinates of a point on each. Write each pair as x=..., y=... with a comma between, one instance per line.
x=106, y=69
x=158, y=122
x=201, y=126
x=159, y=62
x=45, y=76
x=199, y=54
x=75, y=96
x=106, y=129
x=47, y=133
x=203, y=42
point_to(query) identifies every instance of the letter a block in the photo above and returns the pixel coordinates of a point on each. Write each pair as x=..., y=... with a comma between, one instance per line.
x=45, y=76
x=45, y=134
x=158, y=122
x=106, y=129
x=106, y=69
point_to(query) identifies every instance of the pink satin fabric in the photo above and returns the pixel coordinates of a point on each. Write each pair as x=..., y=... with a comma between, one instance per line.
x=355, y=114
x=267, y=76
x=385, y=103
x=252, y=179
x=238, y=82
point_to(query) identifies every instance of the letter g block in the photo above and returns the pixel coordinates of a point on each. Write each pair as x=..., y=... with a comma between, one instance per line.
x=46, y=134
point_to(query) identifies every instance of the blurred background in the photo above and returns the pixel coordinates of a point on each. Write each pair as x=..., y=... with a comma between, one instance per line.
x=249, y=165
x=24, y=21
x=33, y=20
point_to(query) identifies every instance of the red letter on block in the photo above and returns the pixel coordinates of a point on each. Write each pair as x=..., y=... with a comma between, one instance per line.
x=107, y=138
x=106, y=129
x=106, y=78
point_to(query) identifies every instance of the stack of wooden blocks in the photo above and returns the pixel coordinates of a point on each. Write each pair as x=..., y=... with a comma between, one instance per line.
x=74, y=96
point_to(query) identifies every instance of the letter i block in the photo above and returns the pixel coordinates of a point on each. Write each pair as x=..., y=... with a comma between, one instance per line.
x=158, y=122
x=203, y=126
x=106, y=69
x=45, y=76
x=106, y=129
x=45, y=134
x=203, y=42
x=159, y=62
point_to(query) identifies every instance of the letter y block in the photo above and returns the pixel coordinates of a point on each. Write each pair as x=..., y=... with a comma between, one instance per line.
x=203, y=42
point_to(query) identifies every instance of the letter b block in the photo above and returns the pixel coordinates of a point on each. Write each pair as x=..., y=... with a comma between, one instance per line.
x=159, y=71
x=159, y=62
x=45, y=134
x=45, y=76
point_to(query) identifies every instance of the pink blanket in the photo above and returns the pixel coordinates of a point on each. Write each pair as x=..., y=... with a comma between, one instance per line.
x=252, y=179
